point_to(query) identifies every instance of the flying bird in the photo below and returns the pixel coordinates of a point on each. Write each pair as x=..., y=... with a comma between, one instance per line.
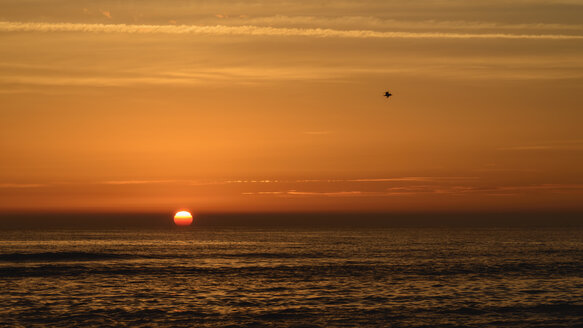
x=387, y=94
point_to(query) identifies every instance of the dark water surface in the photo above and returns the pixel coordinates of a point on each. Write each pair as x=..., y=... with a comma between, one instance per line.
x=217, y=276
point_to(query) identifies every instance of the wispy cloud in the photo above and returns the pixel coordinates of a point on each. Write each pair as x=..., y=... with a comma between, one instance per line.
x=379, y=23
x=136, y=182
x=308, y=193
x=264, y=193
x=553, y=187
x=328, y=194
x=431, y=189
x=161, y=77
x=486, y=190
x=252, y=30
x=187, y=182
x=250, y=181
x=415, y=179
x=572, y=145
x=284, y=181
x=21, y=185
x=395, y=179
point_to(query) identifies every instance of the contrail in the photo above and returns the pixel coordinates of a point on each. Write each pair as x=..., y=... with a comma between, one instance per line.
x=263, y=31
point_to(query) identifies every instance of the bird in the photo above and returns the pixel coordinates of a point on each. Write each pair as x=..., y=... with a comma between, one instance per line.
x=387, y=94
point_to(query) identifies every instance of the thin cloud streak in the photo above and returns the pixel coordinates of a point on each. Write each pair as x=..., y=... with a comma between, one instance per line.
x=277, y=181
x=202, y=76
x=251, y=30
x=376, y=23
x=573, y=145
x=18, y=74
x=328, y=194
x=21, y=185
x=416, y=179
x=308, y=193
x=411, y=191
x=136, y=182
x=398, y=179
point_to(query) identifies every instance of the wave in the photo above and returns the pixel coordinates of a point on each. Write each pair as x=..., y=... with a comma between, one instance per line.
x=260, y=255
x=59, y=256
x=348, y=270
x=96, y=256
x=564, y=308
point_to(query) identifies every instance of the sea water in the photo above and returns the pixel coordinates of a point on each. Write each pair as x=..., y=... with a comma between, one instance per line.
x=308, y=277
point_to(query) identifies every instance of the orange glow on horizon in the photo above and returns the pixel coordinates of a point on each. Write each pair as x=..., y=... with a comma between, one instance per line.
x=183, y=218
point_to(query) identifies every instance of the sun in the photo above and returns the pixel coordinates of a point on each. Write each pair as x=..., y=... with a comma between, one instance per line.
x=183, y=218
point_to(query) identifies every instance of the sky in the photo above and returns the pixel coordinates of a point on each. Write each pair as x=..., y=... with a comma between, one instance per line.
x=268, y=106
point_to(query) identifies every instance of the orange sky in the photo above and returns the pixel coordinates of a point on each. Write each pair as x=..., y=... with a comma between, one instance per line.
x=234, y=106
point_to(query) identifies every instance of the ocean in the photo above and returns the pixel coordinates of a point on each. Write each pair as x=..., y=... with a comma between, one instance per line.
x=292, y=277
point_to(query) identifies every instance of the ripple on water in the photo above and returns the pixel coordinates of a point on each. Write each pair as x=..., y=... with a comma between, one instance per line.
x=401, y=277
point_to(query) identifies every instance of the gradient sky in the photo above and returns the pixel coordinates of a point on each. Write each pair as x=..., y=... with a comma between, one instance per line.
x=276, y=105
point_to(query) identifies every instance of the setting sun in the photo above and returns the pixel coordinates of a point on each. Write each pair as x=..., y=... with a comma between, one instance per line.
x=352, y=162
x=183, y=218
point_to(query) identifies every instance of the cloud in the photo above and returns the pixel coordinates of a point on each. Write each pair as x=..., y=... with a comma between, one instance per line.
x=572, y=145
x=379, y=23
x=429, y=189
x=416, y=179
x=185, y=182
x=544, y=187
x=397, y=179
x=251, y=30
x=21, y=185
x=250, y=181
x=244, y=75
x=529, y=148
x=328, y=194
x=486, y=190
x=264, y=193
x=308, y=193
x=135, y=182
